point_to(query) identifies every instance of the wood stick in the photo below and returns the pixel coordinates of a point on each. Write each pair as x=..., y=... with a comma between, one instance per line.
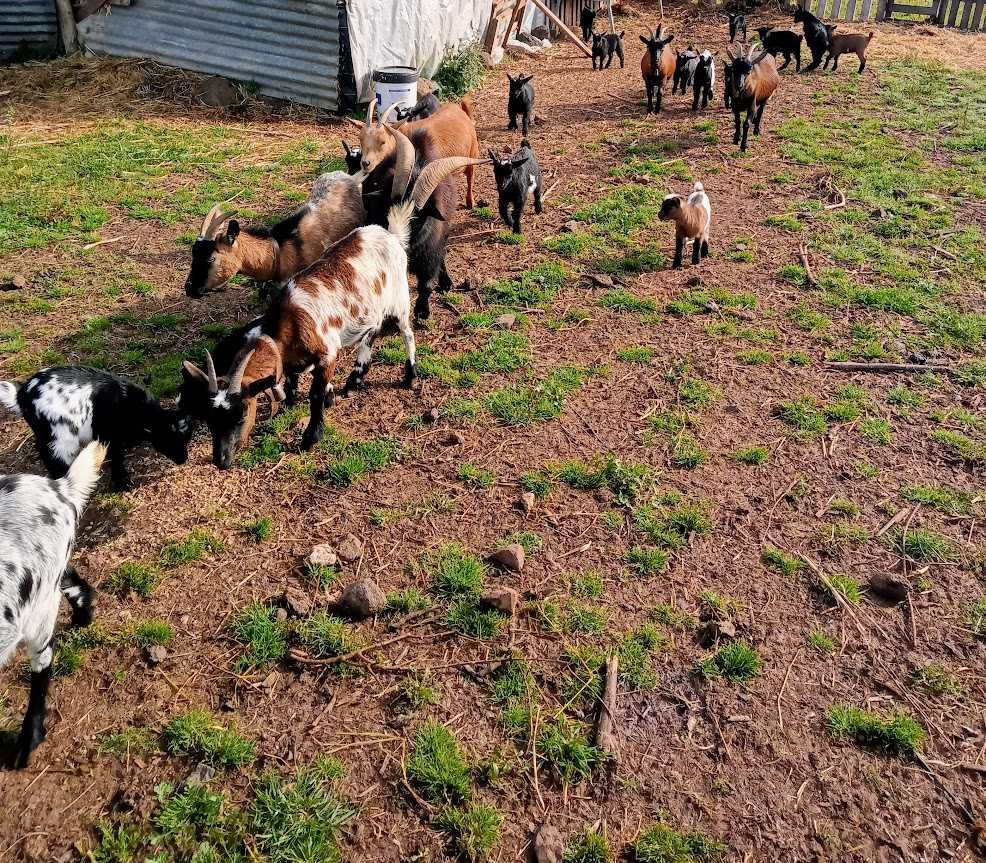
x=102, y=242
x=884, y=368
x=66, y=26
x=605, y=736
x=554, y=186
x=468, y=238
x=563, y=27
x=305, y=659
x=803, y=255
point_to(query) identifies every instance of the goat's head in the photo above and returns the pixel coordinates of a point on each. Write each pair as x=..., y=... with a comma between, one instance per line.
x=681, y=60
x=517, y=84
x=830, y=30
x=215, y=256
x=171, y=433
x=741, y=67
x=354, y=158
x=762, y=32
x=800, y=14
x=503, y=169
x=655, y=44
x=375, y=143
x=670, y=207
x=230, y=406
x=598, y=40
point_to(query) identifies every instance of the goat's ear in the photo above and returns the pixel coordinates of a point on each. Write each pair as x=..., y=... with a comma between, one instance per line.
x=492, y=156
x=645, y=40
x=258, y=386
x=345, y=146
x=519, y=159
x=511, y=80
x=622, y=34
x=524, y=79
x=355, y=123
x=668, y=38
x=232, y=232
x=758, y=58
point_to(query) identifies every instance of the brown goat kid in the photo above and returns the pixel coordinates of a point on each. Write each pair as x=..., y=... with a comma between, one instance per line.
x=692, y=217
x=848, y=43
x=451, y=130
x=657, y=67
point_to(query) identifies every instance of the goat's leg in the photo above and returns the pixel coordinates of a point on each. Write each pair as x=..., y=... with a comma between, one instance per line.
x=787, y=62
x=118, y=467
x=407, y=333
x=746, y=128
x=862, y=64
x=526, y=125
x=736, y=123
x=538, y=206
x=41, y=654
x=696, y=93
x=79, y=595
x=619, y=53
x=658, y=97
x=835, y=61
x=705, y=248
x=609, y=59
x=362, y=365
x=55, y=466
x=320, y=393
x=515, y=223
x=797, y=59
x=291, y=388
x=428, y=269
x=513, y=121
x=650, y=95
x=505, y=212
x=758, y=118
x=696, y=251
x=679, y=250
x=469, y=178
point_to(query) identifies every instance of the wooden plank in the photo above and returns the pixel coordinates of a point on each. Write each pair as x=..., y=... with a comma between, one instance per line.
x=836, y=8
x=851, y=11
x=953, y=14
x=966, y=13
x=979, y=19
x=866, y=10
x=905, y=9
x=573, y=38
x=881, y=9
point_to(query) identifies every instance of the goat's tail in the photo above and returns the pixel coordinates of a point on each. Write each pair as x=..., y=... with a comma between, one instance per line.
x=467, y=106
x=399, y=222
x=8, y=397
x=869, y=37
x=83, y=475
x=698, y=187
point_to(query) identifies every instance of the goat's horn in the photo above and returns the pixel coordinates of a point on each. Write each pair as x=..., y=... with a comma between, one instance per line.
x=394, y=106
x=210, y=371
x=236, y=377
x=729, y=54
x=195, y=371
x=434, y=172
x=370, y=109
x=278, y=362
x=211, y=217
x=403, y=163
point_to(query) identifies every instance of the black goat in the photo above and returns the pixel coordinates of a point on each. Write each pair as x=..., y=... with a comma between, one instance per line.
x=520, y=101
x=737, y=24
x=516, y=177
x=816, y=35
x=586, y=19
x=354, y=158
x=424, y=107
x=685, y=64
x=68, y=407
x=784, y=42
x=604, y=46
x=727, y=84
x=704, y=82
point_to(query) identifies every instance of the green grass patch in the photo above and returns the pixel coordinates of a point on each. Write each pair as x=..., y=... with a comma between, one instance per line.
x=588, y=847
x=407, y=601
x=821, y=642
x=135, y=577
x=922, y=545
x=539, y=483
x=437, y=766
x=946, y=500
x=661, y=843
x=645, y=562
x=538, y=402
x=974, y=617
x=895, y=734
x=455, y=573
x=737, y=662
x=534, y=288
x=325, y=635
x=635, y=354
x=475, y=476
x=259, y=530
x=472, y=831
x=565, y=750
x=263, y=638
x=935, y=679
x=752, y=455
x=197, y=734
x=621, y=300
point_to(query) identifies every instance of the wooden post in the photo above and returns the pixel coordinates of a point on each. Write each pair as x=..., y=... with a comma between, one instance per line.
x=563, y=27
x=66, y=26
x=612, y=26
x=516, y=16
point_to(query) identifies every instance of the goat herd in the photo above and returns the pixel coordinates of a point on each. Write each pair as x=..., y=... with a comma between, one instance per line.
x=343, y=260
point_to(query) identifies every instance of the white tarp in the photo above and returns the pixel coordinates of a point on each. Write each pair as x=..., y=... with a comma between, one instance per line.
x=414, y=33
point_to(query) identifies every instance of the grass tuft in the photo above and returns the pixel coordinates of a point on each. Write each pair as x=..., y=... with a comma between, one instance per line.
x=895, y=734
x=472, y=831
x=198, y=735
x=588, y=847
x=663, y=844
x=437, y=766
x=737, y=662
x=263, y=638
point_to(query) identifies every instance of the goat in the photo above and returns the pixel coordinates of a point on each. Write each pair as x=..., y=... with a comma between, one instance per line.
x=727, y=84
x=333, y=209
x=520, y=101
x=587, y=18
x=692, y=220
x=848, y=43
x=783, y=42
x=354, y=158
x=516, y=177
x=431, y=139
x=705, y=79
x=816, y=36
x=347, y=297
x=753, y=83
x=38, y=521
x=604, y=46
x=737, y=24
x=424, y=107
x=68, y=407
x=656, y=66
x=684, y=70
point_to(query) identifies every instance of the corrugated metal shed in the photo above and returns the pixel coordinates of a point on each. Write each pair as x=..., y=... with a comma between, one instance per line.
x=289, y=48
x=27, y=24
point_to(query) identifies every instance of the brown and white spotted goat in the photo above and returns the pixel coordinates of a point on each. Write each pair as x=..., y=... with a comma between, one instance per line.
x=350, y=296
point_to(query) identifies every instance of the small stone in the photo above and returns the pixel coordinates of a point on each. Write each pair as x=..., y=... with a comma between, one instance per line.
x=323, y=555
x=297, y=602
x=506, y=322
x=890, y=588
x=502, y=599
x=218, y=92
x=694, y=281
x=281, y=615
x=510, y=557
x=601, y=280
x=155, y=654
x=571, y=226
x=713, y=631
x=455, y=439
x=431, y=416
x=362, y=599
x=527, y=501
x=17, y=283
x=201, y=774
x=271, y=681
x=350, y=549
x=548, y=844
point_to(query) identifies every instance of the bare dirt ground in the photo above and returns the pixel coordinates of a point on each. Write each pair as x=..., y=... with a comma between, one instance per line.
x=751, y=764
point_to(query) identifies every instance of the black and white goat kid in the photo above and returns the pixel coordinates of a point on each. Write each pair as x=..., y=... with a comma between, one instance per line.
x=704, y=81
x=38, y=521
x=685, y=63
x=354, y=158
x=517, y=176
x=68, y=407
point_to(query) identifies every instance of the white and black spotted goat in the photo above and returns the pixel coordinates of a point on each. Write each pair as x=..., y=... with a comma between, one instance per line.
x=517, y=176
x=70, y=406
x=38, y=520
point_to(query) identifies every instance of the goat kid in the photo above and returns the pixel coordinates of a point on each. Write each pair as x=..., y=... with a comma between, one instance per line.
x=354, y=158
x=737, y=25
x=816, y=36
x=604, y=46
x=754, y=81
x=69, y=407
x=727, y=84
x=692, y=221
x=38, y=522
x=848, y=43
x=685, y=64
x=587, y=18
x=657, y=67
x=427, y=105
x=520, y=101
x=223, y=249
x=517, y=176
x=783, y=42
x=704, y=83
x=350, y=296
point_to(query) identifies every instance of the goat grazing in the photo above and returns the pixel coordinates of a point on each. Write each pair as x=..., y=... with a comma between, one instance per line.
x=783, y=42
x=516, y=177
x=520, y=101
x=222, y=250
x=848, y=43
x=354, y=158
x=587, y=18
x=692, y=220
x=686, y=62
x=737, y=25
x=705, y=79
x=68, y=407
x=816, y=36
x=427, y=105
x=350, y=296
x=657, y=67
x=38, y=521
x=753, y=83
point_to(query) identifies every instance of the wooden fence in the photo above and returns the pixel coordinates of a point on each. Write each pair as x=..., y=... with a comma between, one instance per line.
x=964, y=14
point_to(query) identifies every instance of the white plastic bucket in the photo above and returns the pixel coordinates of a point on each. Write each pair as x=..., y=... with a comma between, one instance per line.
x=395, y=84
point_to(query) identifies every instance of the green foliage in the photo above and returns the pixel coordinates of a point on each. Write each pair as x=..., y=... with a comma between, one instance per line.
x=259, y=530
x=149, y=633
x=534, y=288
x=895, y=734
x=974, y=617
x=821, y=642
x=624, y=480
x=715, y=606
x=263, y=638
x=779, y=561
x=876, y=429
x=197, y=734
x=136, y=741
x=697, y=393
x=752, y=455
x=408, y=600
x=563, y=748
x=467, y=617
x=668, y=521
x=803, y=415
x=472, y=831
x=350, y=460
x=946, y=500
x=456, y=574
x=663, y=844
x=847, y=587
x=621, y=300
x=529, y=540
x=72, y=645
x=960, y=446
x=461, y=71
x=588, y=585
x=193, y=547
x=921, y=544
x=513, y=681
x=539, y=402
x=325, y=635
x=585, y=619
x=737, y=662
x=645, y=561
x=669, y=616
x=936, y=680
x=685, y=453
x=754, y=357
x=539, y=483
x=475, y=476
x=437, y=766
x=635, y=354
x=139, y=578
x=588, y=847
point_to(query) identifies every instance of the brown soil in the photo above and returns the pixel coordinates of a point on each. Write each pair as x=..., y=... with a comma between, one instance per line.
x=751, y=765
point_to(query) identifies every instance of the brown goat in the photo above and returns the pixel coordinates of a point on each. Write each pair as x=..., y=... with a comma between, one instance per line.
x=692, y=217
x=657, y=67
x=848, y=43
x=451, y=129
x=753, y=82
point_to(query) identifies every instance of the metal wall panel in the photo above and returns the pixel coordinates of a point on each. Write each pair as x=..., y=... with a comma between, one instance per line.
x=31, y=24
x=289, y=48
